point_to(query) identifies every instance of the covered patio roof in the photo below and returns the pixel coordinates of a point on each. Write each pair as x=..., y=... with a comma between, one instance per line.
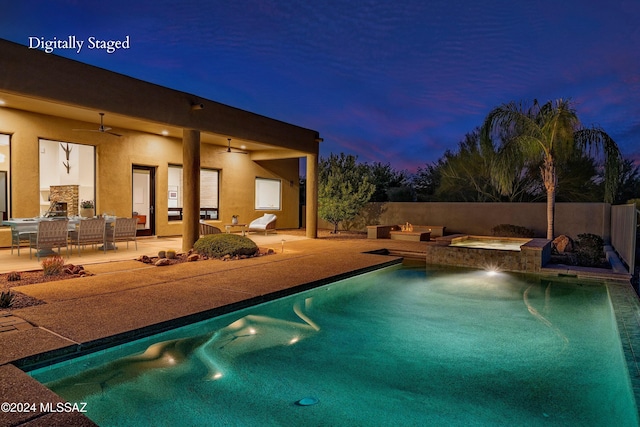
x=78, y=91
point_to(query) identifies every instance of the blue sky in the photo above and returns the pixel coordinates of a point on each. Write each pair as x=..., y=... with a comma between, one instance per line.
x=395, y=82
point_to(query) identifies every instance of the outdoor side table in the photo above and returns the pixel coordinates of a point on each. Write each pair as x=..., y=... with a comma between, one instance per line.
x=228, y=227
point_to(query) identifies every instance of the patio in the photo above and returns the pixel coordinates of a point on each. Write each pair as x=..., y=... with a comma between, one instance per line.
x=146, y=246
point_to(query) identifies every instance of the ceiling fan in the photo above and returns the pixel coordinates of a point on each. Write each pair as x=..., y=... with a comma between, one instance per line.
x=232, y=150
x=101, y=129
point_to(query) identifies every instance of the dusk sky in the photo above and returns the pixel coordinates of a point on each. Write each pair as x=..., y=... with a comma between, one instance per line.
x=395, y=82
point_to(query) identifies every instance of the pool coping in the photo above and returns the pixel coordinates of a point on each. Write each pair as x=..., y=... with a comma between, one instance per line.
x=626, y=307
x=72, y=351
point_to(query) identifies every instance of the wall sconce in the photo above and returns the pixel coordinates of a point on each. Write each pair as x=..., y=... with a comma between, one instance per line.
x=197, y=106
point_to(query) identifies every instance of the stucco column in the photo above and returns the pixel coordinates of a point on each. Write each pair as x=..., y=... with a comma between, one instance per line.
x=312, y=196
x=190, y=188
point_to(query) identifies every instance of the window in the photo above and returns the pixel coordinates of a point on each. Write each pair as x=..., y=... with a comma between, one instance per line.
x=208, y=193
x=67, y=174
x=5, y=162
x=268, y=194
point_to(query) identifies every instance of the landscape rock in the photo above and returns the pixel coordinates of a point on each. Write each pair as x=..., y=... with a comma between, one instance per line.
x=193, y=257
x=563, y=244
x=162, y=261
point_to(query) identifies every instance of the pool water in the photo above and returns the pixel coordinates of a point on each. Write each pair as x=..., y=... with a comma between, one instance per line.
x=400, y=346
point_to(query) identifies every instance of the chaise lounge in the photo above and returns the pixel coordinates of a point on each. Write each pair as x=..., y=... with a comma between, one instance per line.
x=266, y=223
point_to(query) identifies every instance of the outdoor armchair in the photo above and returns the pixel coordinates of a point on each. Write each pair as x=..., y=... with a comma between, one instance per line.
x=208, y=229
x=90, y=231
x=123, y=230
x=20, y=235
x=51, y=234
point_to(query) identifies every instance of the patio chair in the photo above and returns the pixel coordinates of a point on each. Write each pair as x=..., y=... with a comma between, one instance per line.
x=90, y=231
x=266, y=223
x=21, y=235
x=51, y=234
x=208, y=229
x=123, y=230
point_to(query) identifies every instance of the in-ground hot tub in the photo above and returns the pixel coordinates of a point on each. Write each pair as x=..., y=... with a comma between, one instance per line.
x=486, y=242
x=504, y=253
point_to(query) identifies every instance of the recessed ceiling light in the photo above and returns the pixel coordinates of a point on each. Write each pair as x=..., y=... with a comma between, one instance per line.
x=2, y=102
x=165, y=132
x=243, y=147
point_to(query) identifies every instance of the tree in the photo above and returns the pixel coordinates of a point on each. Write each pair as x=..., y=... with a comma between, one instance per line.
x=344, y=187
x=629, y=182
x=467, y=175
x=426, y=181
x=550, y=134
x=389, y=183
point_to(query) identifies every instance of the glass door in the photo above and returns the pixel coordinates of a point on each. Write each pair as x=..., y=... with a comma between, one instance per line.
x=144, y=201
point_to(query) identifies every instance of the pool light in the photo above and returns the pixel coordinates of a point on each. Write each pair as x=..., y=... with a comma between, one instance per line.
x=491, y=270
x=307, y=401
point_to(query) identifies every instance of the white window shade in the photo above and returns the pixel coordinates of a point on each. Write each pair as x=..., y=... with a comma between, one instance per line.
x=209, y=188
x=268, y=194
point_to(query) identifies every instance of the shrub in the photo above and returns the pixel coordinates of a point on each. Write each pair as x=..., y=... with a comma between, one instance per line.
x=171, y=254
x=6, y=299
x=509, y=230
x=589, y=250
x=13, y=276
x=162, y=254
x=219, y=245
x=52, y=266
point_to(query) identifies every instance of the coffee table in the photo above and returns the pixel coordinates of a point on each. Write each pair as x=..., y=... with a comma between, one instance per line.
x=228, y=227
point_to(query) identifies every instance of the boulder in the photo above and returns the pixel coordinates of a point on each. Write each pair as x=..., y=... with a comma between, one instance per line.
x=563, y=244
x=162, y=261
x=193, y=257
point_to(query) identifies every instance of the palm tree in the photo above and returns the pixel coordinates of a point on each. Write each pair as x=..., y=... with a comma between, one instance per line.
x=549, y=134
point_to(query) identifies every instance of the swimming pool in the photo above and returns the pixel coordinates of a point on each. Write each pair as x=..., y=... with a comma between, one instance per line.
x=400, y=346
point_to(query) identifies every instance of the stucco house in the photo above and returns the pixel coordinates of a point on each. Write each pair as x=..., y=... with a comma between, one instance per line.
x=134, y=147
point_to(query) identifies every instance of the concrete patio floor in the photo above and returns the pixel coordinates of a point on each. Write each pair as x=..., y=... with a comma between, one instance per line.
x=146, y=246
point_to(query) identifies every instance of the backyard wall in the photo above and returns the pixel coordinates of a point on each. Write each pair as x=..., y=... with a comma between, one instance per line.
x=479, y=218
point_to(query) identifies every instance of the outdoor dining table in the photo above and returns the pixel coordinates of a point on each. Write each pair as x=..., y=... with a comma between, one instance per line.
x=30, y=225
